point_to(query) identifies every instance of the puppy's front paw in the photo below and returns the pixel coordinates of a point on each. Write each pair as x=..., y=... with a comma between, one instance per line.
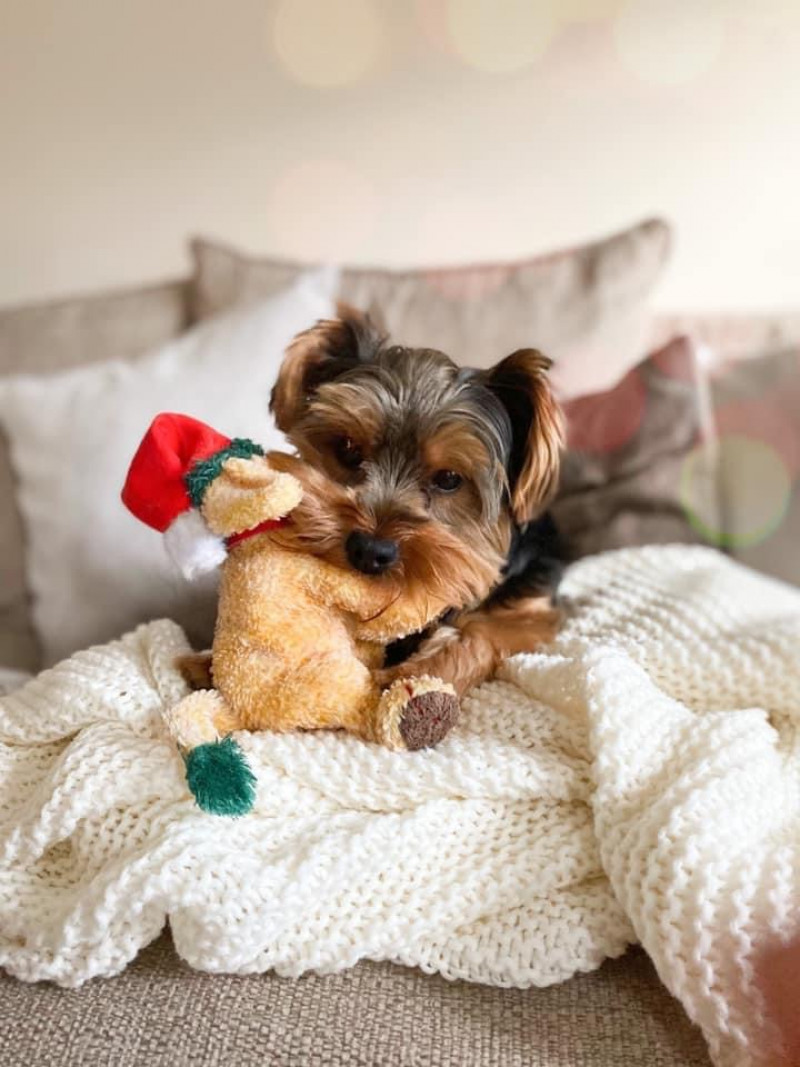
x=548, y=624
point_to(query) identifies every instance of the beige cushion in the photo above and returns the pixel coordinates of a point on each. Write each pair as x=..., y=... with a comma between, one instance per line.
x=159, y=1013
x=56, y=336
x=93, y=570
x=624, y=477
x=64, y=333
x=586, y=307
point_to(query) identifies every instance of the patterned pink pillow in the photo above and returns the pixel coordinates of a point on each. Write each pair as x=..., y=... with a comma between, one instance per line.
x=638, y=463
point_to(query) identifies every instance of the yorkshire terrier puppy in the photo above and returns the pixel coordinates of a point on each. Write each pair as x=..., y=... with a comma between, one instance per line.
x=438, y=480
x=446, y=473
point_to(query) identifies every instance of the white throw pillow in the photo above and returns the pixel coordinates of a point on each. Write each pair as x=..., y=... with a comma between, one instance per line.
x=92, y=569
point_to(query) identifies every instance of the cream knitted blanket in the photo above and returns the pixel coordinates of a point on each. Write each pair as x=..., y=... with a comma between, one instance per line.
x=639, y=779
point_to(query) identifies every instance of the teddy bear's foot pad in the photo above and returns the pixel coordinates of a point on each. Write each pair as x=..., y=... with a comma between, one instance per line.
x=427, y=718
x=416, y=713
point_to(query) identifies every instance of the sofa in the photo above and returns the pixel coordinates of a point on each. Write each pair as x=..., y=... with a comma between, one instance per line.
x=159, y=1010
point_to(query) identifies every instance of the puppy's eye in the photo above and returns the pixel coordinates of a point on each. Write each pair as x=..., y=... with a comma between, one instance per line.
x=348, y=453
x=446, y=481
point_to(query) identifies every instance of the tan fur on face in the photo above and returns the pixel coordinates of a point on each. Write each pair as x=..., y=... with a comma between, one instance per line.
x=454, y=447
x=337, y=411
x=195, y=669
x=435, y=562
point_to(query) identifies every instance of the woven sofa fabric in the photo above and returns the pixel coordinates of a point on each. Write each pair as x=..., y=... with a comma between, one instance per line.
x=587, y=307
x=160, y=1013
x=55, y=336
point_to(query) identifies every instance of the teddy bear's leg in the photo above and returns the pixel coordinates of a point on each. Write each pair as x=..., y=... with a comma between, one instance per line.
x=319, y=692
x=415, y=713
x=217, y=772
x=412, y=713
x=199, y=718
x=336, y=692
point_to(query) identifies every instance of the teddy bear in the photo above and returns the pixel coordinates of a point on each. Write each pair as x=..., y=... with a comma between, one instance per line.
x=297, y=638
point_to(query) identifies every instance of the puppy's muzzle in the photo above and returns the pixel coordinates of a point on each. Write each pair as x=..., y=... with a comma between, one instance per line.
x=371, y=555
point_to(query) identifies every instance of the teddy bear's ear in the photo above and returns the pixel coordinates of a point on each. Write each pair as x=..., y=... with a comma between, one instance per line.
x=319, y=355
x=247, y=493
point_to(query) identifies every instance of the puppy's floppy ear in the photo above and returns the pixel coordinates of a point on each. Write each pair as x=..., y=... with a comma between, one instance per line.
x=319, y=355
x=520, y=384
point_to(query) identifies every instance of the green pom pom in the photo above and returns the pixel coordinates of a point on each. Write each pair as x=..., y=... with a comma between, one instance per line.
x=220, y=778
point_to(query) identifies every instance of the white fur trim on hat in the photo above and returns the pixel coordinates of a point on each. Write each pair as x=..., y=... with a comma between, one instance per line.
x=192, y=547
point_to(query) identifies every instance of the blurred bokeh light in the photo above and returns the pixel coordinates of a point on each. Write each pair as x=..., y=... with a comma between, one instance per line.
x=323, y=43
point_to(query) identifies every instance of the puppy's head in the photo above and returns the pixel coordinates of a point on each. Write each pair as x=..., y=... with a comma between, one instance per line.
x=430, y=464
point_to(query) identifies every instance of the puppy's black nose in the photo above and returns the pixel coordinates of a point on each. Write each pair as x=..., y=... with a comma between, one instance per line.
x=369, y=554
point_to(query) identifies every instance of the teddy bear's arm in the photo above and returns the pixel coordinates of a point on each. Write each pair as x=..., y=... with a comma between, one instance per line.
x=402, y=616
x=349, y=591
x=383, y=615
x=383, y=612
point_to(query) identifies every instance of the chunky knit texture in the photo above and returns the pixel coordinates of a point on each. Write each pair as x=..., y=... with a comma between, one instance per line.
x=638, y=779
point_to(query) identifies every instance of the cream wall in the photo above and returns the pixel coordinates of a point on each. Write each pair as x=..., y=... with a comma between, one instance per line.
x=399, y=132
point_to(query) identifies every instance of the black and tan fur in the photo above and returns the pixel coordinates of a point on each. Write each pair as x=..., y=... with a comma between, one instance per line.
x=345, y=392
x=446, y=473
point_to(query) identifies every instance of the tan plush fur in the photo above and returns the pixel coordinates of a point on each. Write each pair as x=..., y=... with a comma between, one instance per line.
x=297, y=637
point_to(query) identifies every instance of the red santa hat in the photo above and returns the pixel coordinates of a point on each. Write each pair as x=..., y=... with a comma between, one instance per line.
x=177, y=460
